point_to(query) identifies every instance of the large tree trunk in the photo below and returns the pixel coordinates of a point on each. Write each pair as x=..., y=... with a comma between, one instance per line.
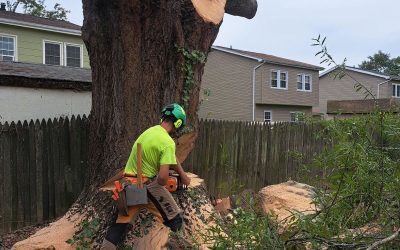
x=137, y=69
x=136, y=56
x=135, y=50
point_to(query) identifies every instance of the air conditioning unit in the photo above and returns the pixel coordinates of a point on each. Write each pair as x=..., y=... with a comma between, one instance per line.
x=5, y=58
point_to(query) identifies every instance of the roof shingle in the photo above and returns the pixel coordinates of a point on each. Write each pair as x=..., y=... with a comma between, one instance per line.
x=273, y=59
x=42, y=71
x=38, y=20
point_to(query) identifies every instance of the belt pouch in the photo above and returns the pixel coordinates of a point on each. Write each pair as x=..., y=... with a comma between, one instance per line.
x=135, y=195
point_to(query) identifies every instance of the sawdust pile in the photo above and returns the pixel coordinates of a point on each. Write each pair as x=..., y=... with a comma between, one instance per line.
x=53, y=236
x=287, y=198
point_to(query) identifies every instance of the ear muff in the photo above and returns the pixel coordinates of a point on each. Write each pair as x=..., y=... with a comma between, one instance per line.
x=178, y=123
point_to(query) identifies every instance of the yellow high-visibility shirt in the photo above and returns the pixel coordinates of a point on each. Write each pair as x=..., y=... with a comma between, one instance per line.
x=158, y=148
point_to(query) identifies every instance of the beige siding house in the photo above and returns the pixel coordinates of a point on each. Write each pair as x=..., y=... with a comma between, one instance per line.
x=44, y=68
x=248, y=86
x=338, y=95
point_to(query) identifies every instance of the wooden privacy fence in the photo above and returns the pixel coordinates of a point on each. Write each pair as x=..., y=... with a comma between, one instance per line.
x=230, y=155
x=42, y=164
x=41, y=169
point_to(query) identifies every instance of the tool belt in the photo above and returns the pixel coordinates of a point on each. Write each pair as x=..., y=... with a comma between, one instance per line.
x=131, y=191
x=128, y=192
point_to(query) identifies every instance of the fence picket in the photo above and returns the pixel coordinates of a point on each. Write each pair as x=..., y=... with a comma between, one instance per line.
x=32, y=172
x=25, y=174
x=39, y=170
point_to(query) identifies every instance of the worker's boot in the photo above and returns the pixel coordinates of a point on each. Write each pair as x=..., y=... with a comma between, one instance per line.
x=106, y=245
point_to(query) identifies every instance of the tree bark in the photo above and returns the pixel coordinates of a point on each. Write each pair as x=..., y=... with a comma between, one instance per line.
x=135, y=50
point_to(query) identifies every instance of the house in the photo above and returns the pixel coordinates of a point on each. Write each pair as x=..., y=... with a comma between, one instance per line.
x=36, y=91
x=44, y=68
x=249, y=86
x=30, y=39
x=338, y=95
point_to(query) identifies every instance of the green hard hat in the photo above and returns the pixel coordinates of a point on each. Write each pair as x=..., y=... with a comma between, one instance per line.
x=177, y=112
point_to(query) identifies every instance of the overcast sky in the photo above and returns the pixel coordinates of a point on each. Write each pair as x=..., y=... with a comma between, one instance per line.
x=355, y=29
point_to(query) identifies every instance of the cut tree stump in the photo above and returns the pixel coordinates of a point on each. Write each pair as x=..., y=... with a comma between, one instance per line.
x=146, y=232
x=287, y=198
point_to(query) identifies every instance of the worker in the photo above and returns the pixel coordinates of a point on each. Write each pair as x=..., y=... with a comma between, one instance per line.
x=158, y=157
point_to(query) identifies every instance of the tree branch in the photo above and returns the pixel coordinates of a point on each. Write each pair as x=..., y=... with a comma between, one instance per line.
x=385, y=240
x=243, y=8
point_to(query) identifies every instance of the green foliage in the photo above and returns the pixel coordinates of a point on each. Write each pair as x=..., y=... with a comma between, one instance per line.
x=192, y=58
x=38, y=8
x=326, y=58
x=83, y=239
x=361, y=181
x=382, y=62
x=244, y=229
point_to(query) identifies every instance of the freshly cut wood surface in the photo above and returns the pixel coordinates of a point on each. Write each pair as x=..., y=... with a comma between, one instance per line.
x=212, y=11
x=287, y=198
x=53, y=236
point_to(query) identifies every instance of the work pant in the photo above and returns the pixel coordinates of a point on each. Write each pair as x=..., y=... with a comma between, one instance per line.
x=160, y=203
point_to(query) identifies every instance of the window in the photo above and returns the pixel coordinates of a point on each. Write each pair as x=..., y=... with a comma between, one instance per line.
x=7, y=48
x=304, y=82
x=52, y=53
x=267, y=116
x=73, y=55
x=296, y=116
x=279, y=79
x=396, y=90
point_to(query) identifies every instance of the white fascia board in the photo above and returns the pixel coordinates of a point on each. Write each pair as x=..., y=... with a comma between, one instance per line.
x=238, y=54
x=355, y=70
x=328, y=71
x=368, y=73
x=41, y=27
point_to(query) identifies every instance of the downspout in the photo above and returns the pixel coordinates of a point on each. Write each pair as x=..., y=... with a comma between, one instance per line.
x=379, y=84
x=254, y=83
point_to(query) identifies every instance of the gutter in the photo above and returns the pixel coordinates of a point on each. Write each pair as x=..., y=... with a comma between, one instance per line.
x=254, y=83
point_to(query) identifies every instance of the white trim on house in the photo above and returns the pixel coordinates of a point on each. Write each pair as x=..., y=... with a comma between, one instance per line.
x=237, y=53
x=61, y=51
x=279, y=79
x=270, y=115
x=40, y=27
x=303, y=82
x=73, y=45
x=356, y=70
x=396, y=86
x=15, y=45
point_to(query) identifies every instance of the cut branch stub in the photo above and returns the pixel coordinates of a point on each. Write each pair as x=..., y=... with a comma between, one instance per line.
x=212, y=11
